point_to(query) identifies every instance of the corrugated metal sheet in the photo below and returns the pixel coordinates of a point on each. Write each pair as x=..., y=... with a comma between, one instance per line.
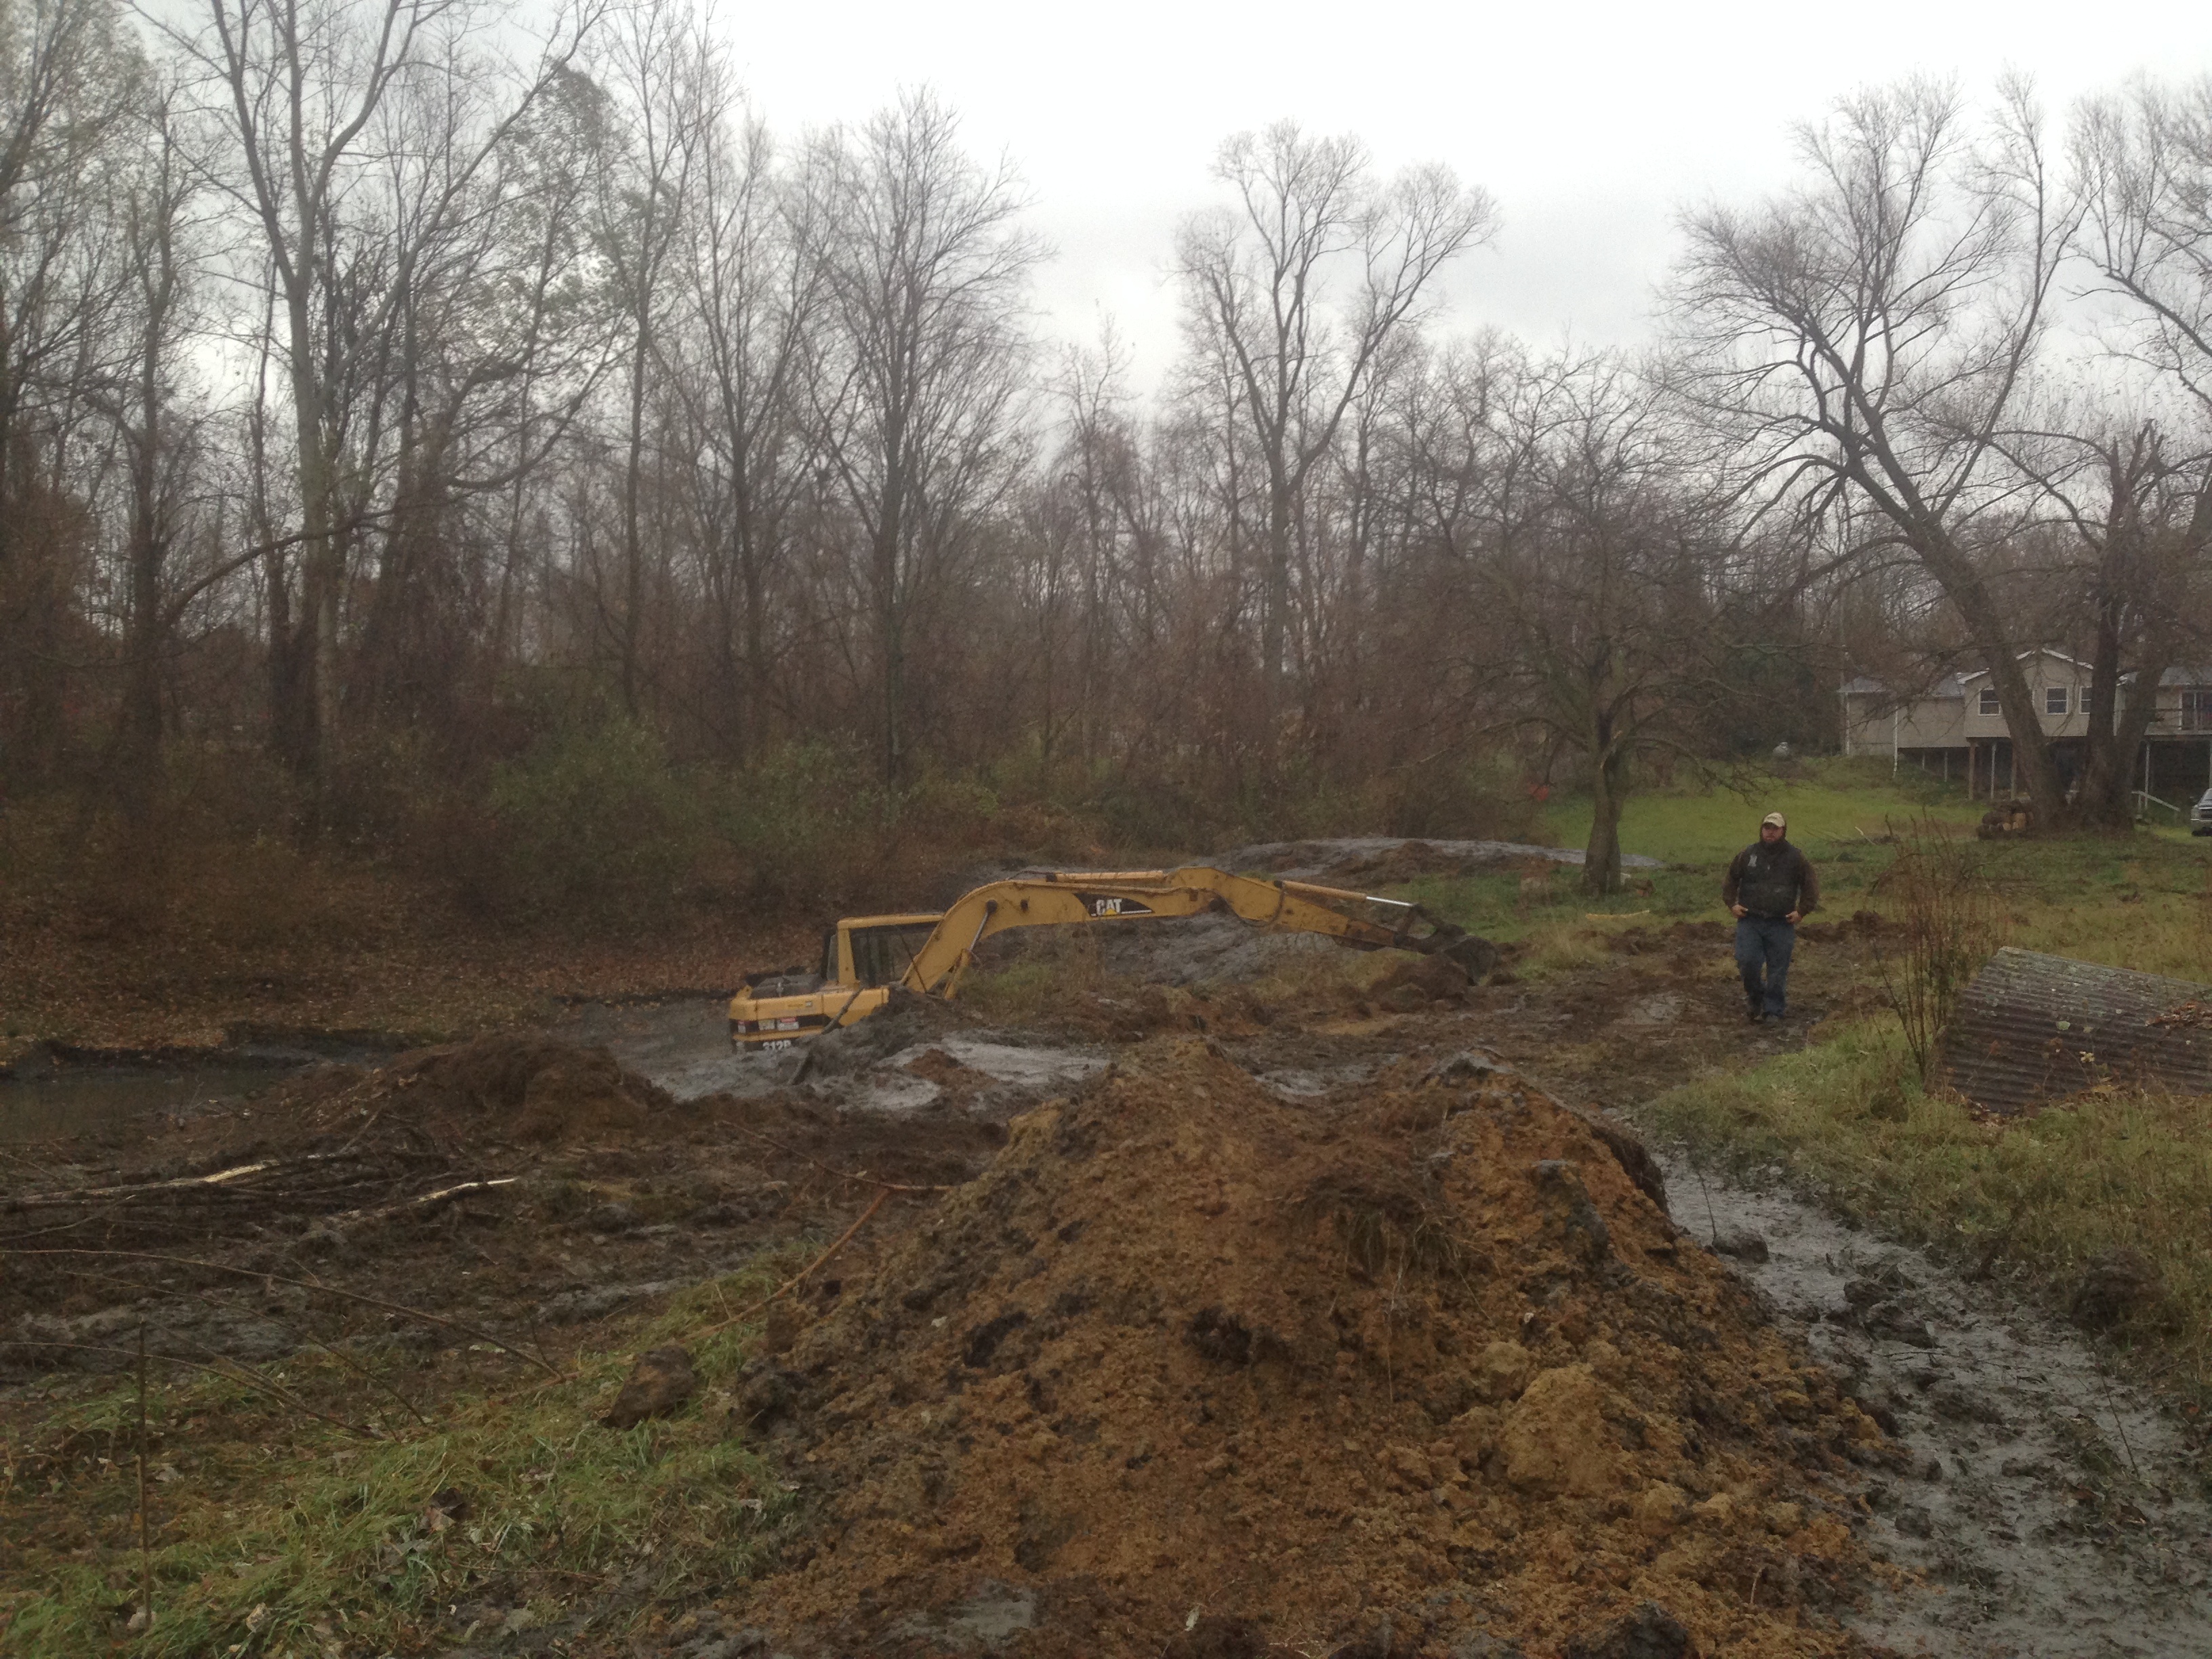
x=2033, y=1029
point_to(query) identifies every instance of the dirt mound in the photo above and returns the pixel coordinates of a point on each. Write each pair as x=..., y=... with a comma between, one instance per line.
x=1420, y=983
x=1417, y=1369
x=524, y=1086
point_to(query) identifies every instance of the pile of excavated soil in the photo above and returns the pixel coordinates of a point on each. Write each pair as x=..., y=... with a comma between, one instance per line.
x=516, y=1087
x=1416, y=1370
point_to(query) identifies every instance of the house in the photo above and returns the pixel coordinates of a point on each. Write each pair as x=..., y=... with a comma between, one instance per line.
x=1954, y=727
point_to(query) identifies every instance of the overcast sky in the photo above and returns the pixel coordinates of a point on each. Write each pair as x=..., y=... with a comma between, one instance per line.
x=1591, y=124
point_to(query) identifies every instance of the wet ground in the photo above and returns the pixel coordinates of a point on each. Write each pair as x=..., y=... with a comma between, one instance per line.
x=2041, y=1505
x=2056, y=1511
x=100, y=1098
x=683, y=1045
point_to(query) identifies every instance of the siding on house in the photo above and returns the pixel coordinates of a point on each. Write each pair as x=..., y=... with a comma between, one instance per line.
x=1940, y=727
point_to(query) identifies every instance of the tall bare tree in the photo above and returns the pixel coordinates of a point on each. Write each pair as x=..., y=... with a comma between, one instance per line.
x=2144, y=164
x=1260, y=282
x=1868, y=338
x=70, y=76
x=923, y=268
x=754, y=305
x=301, y=86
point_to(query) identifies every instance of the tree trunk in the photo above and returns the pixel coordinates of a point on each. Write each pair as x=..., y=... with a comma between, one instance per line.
x=1608, y=795
x=633, y=538
x=1978, y=609
x=313, y=681
x=1275, y=599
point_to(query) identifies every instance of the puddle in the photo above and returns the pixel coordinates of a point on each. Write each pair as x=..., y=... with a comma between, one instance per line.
x=683, y=1045
x=2054, y=1510
x=1023, y=1066
x=95, y=1099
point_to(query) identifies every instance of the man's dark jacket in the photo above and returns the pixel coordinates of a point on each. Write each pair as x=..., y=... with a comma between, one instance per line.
x=1772, y=878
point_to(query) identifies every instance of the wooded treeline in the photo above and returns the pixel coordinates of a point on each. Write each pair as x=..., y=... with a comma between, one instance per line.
x=383, y=406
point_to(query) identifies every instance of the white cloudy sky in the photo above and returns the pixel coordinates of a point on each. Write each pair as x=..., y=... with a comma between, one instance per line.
x=1590, y=123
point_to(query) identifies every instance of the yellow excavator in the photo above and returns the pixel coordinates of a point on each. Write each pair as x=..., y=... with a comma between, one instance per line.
x=864, y=957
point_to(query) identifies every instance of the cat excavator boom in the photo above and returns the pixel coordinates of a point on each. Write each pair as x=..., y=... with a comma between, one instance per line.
x=864, y=957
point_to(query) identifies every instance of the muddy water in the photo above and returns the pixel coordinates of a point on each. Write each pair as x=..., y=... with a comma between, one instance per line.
x=97, y=1100
x=2051, y=1511
x=683, y=1045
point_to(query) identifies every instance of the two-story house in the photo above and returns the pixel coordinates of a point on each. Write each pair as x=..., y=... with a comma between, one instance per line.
x=1954, y=726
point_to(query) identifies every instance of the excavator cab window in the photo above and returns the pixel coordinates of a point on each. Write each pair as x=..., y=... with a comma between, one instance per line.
x=882, y=955
x=828, y=955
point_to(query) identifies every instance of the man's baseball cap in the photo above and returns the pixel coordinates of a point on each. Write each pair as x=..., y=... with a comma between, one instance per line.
x=1774, y=818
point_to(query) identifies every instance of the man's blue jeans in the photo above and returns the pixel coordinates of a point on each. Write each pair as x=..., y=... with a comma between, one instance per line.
x=1763, y=944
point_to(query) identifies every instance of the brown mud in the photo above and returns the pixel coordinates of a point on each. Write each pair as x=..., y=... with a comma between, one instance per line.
x=521, y=1180
x=1332, y=1319
x=1415, y=1366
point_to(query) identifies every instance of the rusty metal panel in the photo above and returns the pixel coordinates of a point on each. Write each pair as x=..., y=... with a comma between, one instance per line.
x=2033, y=1028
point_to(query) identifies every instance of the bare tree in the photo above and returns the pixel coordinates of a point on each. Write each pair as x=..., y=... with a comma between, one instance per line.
x=660, y=71
x=155, y=428
x=755, y=304
x=300, y=87
x=1868, y=338
x=1593, y=569
x=2144, y=166
x=923, y=269
x=69, y=78
x=1259, y=292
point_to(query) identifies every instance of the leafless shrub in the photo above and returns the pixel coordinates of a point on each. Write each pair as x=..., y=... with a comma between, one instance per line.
x=1947, y=928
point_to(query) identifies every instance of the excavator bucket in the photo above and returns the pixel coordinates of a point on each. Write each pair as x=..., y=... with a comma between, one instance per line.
x=1474, y=955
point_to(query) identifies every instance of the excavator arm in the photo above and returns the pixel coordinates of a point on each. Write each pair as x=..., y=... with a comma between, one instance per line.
x=860, y=965
x=1352, y=919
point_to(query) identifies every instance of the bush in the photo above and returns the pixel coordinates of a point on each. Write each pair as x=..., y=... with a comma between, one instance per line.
x=1469, y=800
x=1948, y=913
x=806, y=821
x=593, y=822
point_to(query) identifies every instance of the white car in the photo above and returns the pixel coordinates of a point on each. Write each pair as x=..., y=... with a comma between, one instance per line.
x=2200, y=816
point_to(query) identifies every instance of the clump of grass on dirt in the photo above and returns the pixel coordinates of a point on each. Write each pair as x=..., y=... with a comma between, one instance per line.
x=2048, y=1195
x=276, y=1533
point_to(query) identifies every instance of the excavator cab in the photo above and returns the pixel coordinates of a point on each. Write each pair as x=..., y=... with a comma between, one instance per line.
x=883, y=950
x=861, y=957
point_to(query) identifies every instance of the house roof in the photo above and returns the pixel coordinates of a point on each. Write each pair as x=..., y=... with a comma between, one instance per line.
x=2022, y=656
x=1947, y=689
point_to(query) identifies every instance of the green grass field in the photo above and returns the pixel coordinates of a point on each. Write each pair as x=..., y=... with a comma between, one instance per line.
x=2138, y=901
x=1830, y=805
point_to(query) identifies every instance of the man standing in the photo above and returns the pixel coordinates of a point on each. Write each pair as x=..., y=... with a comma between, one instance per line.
x=1770, y=886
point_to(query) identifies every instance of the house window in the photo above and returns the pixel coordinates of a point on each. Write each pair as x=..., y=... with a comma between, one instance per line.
x=2054, y=699
x=2086, y=695
x=1988, y=704
x=2196, y=708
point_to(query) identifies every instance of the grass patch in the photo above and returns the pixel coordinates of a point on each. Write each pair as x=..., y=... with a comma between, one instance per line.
x=2047, y=1194
x=277, y=1535
x=2141, y=901
x=1830, y=802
